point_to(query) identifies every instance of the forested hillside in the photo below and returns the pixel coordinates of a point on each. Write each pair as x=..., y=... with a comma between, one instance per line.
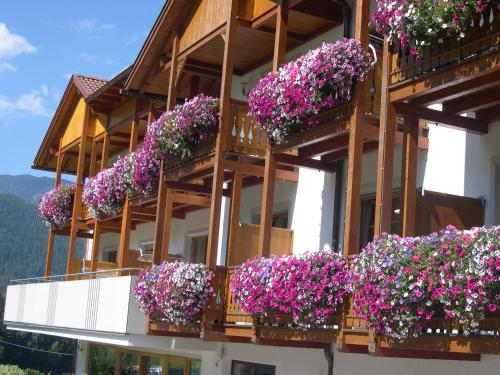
x=23, y=240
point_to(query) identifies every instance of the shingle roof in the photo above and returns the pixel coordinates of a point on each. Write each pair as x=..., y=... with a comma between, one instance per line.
x=88, y=85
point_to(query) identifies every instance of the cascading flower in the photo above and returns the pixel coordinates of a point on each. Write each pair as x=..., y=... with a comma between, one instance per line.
x=176, y=133
x=308, y=287
x=56, y=206
x=402, y=282
x=417, y=24
x=175, y=292
x=286, y=102
x=104, y=194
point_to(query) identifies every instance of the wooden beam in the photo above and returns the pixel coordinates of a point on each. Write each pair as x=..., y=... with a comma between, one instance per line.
x=105, y=151
x=185, y=186
x=352, y=211
x=325, y=147
x=473, y=103
x=297, y=161
x=234, y=218
x=489, y=115
x=266, y=212
x=160, y=215
x=445, y=119
x=172, y=84
x=409, y=176
x=224, y=131
x=259, y=170
x=280, y=35
x=77, y=201
x=60, y=162
x=385, y=159
x=195, y=200
x=167, y=223
x=93, y=159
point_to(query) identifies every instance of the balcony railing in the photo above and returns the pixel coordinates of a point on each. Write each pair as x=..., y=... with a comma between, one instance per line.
x=480, y=39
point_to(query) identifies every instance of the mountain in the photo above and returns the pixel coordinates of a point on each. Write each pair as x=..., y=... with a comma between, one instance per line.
x=29, y=188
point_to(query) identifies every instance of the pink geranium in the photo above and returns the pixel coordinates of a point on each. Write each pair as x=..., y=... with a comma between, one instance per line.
x=56, y=206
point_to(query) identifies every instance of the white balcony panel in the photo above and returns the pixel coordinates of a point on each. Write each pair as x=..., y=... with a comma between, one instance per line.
x=100, y=305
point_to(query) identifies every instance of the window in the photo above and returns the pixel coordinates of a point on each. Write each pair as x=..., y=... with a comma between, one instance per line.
x=367, y=224
x=199, y=249
x=245, y=368
x=147, y=247
x=280, y=219
x=110, y=255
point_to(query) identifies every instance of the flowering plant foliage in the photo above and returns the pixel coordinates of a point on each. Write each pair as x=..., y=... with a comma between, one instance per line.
x=174, y=292
x=285, y=102
x=309, y=287
x=177, y=132
x=56, y=206
x=104, y=194
x=146, y=170
x=420, y=23
x=401, y=282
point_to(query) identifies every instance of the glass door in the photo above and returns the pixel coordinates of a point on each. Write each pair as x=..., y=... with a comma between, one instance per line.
x=246, y=368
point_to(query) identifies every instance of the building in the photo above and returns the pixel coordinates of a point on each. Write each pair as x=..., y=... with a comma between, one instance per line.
x=399, y=157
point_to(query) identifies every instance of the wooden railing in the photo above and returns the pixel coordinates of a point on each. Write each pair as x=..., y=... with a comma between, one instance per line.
x=247, y=243
x=245, y=138
x=481, y=38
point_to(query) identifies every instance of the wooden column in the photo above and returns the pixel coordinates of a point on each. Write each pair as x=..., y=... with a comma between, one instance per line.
x=352, y=212
x=143, y=364
x=224, y=130
x=167, y=223
x=234, y=218
x=118, y=362
x=126, y=227
x=162, y=186
x=77, y=204
x=409, y=174
x=52, y=234
x=266, y=211
x=96, y=238
x=385, y=161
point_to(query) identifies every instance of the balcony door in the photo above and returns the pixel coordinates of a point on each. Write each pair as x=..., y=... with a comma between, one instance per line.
x=246, y=368
x=199, y=249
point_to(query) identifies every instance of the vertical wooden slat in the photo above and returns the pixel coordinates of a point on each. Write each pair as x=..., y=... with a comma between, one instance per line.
x=143, y=364
x=224, y=132
x=409, y=189
x=234, y=214
x=167, y=223
x=266, y=212
x=118, y=362
x=385, y=161
x=127, y=210
x=77, y=204
x=352, y=213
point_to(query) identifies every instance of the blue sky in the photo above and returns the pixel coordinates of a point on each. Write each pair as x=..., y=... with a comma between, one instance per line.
x=41, y=44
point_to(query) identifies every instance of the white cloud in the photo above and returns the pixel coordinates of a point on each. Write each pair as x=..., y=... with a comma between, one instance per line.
x=90, y=26
x=5, y=66
x=12, y=44
x=31, y=103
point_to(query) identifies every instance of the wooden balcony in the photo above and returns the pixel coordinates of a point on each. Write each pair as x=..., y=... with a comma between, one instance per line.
x=481, y=39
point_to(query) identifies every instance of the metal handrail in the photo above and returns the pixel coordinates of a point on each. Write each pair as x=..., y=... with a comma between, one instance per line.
x=97, y=274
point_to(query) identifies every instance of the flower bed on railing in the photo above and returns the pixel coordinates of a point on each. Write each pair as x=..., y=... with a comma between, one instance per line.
x=286, y=102
x=419, y=24
x=175, y=293
x=401, y=283
x=178, y=132
x=308, y=288
x=56, y=206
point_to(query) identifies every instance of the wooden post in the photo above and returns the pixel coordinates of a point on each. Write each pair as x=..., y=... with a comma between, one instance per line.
x=266, y=211
x=234, y=218
x=77, y=204
x=385, y=161
x=409, y=187
x=352, y=212
x=159, y=245
x=96, y=239
x=167, y=223
x=52, y=234
x=118, y=362
x=93, y=159
x=143, y=364
x=126, y=227
x=224, y=129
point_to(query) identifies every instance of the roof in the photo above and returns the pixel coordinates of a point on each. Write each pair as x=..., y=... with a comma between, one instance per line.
x=88, y=85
